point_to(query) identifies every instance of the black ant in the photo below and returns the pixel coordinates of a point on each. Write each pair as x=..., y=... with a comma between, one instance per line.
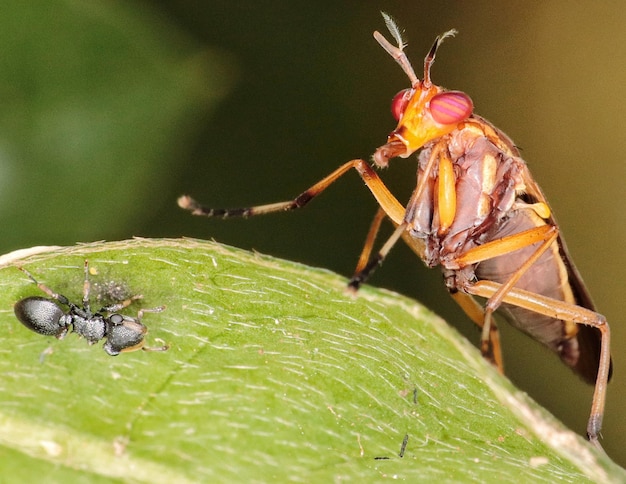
x=122, y=333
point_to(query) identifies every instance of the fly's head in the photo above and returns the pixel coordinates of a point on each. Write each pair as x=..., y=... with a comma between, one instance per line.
x=425, y=112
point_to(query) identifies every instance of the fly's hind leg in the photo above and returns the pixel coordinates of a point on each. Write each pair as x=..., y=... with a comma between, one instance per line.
x=566, y=312
x=490, y=349
x=544, y=236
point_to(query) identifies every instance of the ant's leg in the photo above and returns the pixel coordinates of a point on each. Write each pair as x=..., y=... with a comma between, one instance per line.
x=86, y=288
x=149, y=310
x=165, y=346
x=120, y=305
x=59, y=297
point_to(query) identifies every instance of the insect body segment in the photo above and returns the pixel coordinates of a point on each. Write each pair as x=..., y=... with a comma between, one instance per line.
x=476, y=212
x=425, y=111
x=44, y=316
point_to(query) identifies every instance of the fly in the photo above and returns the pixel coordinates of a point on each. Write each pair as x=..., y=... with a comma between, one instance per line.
x=478, y=213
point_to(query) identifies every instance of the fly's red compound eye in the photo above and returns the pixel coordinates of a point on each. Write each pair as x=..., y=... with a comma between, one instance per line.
x=399, y=102
x=451, y=107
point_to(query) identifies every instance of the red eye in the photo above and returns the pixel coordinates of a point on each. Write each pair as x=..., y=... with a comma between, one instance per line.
x=399, y=102
x=451, y=107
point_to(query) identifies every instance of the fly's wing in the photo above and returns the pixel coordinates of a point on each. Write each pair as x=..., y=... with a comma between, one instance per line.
x=589, y=338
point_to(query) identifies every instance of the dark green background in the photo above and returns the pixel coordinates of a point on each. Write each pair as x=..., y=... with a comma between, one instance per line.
x=111, y=111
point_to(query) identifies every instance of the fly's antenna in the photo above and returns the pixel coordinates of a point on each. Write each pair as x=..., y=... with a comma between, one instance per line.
x=397, y=52
x=430, y=57
x=394, y=30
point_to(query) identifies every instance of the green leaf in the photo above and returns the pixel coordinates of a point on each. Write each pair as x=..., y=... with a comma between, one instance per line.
x=274, y=373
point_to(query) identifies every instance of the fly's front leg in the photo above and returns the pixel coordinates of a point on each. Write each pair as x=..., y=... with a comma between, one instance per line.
x=369, y=241
x=388, y=204
x=365, y=263
x=396, y=213
x=361, y=276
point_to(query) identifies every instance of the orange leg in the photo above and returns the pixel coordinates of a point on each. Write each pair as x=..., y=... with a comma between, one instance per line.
x=388, y=203
x=546, y=234
x=398, y=216
x=506, y=245
x=567, y=312
x=369, y=241
x=476, y=313
x=361, y=276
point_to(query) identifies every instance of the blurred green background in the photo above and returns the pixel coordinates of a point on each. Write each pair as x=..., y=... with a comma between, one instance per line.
x=112, y=109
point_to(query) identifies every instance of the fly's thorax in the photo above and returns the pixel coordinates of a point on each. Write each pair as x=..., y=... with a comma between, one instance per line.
x=487, y=179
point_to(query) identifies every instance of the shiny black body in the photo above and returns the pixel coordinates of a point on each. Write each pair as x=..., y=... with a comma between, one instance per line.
x=44, y=316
